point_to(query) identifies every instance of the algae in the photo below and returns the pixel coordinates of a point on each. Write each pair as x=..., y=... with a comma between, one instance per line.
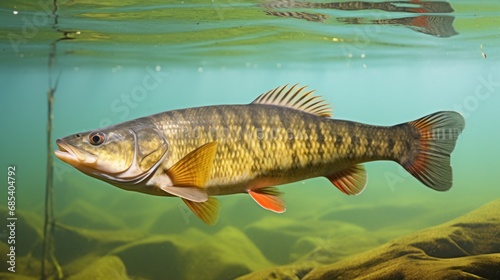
x=106, y=268
x=178, y=257
x=464, y=248
x=316, y=248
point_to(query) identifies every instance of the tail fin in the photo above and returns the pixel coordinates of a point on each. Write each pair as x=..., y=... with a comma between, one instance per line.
x=436, y=134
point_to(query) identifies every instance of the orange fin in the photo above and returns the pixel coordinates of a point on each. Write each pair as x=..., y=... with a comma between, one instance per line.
x=295, y=97
x=351, y=181
x=436, y=135
x=269, y=198
x=207, y=211
x=195, y=168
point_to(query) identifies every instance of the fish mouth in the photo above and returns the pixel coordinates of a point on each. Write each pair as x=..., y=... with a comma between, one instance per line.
x=73, y=155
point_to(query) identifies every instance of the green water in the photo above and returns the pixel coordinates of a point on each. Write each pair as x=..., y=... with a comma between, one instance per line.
x=119, y=60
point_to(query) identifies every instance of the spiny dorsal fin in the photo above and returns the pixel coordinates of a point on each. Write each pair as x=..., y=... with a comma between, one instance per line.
x=296, y=97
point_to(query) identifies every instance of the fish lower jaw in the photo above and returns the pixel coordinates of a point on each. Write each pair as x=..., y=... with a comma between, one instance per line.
x=74, y=160
x=73, y=155
x=66, y=157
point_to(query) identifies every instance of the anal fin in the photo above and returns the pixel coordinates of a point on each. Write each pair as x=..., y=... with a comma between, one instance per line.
x=269, y=198
x=207, y=211
x=351, y=181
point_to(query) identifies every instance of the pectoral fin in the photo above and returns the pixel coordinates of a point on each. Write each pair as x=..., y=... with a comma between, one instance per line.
x=188, y=177
x=269, y=198
x=351, y=181
x=207, y=211
x=195, y=168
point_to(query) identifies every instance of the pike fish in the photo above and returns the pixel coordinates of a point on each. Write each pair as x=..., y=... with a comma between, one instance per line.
x=283, y=136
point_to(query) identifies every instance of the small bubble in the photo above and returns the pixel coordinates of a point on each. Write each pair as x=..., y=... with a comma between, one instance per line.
x=349, y=55
x=15, y=12
x=78, y=32
x=158, y=68
x=200, y=69
x=116, y=69
x=364, y=66
x=483, y=54
x=363, y=55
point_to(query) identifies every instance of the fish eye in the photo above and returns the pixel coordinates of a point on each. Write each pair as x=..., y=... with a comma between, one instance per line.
x=96, y=138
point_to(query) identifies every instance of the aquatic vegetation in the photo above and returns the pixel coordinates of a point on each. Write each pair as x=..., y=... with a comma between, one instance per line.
x=456, y=249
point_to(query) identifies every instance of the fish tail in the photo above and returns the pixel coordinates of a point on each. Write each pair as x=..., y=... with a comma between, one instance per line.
x=428, y=159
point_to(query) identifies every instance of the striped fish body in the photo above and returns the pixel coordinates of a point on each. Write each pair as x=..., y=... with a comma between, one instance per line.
x=263, y=145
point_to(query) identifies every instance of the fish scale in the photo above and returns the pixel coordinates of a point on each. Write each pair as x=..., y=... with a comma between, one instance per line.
x=258, y=143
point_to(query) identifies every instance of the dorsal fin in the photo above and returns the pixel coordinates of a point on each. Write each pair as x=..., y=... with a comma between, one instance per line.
x=296, y=97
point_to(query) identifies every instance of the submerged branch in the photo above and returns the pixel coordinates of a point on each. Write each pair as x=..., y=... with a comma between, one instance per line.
x=48, y=246
x=49, y=184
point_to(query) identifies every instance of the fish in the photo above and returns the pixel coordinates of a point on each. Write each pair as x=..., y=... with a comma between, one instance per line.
x=285, y=135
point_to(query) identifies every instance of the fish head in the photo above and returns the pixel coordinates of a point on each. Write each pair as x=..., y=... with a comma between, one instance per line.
x=121, y=155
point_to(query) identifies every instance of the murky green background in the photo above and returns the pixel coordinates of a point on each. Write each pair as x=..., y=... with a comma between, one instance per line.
x=228, y=52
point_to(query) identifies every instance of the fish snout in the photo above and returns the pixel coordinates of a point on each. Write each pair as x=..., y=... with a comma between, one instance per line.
x=73, y=155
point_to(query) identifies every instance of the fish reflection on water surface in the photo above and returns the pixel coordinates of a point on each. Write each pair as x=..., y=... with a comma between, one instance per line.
x=285, y=135
x=435, y=24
